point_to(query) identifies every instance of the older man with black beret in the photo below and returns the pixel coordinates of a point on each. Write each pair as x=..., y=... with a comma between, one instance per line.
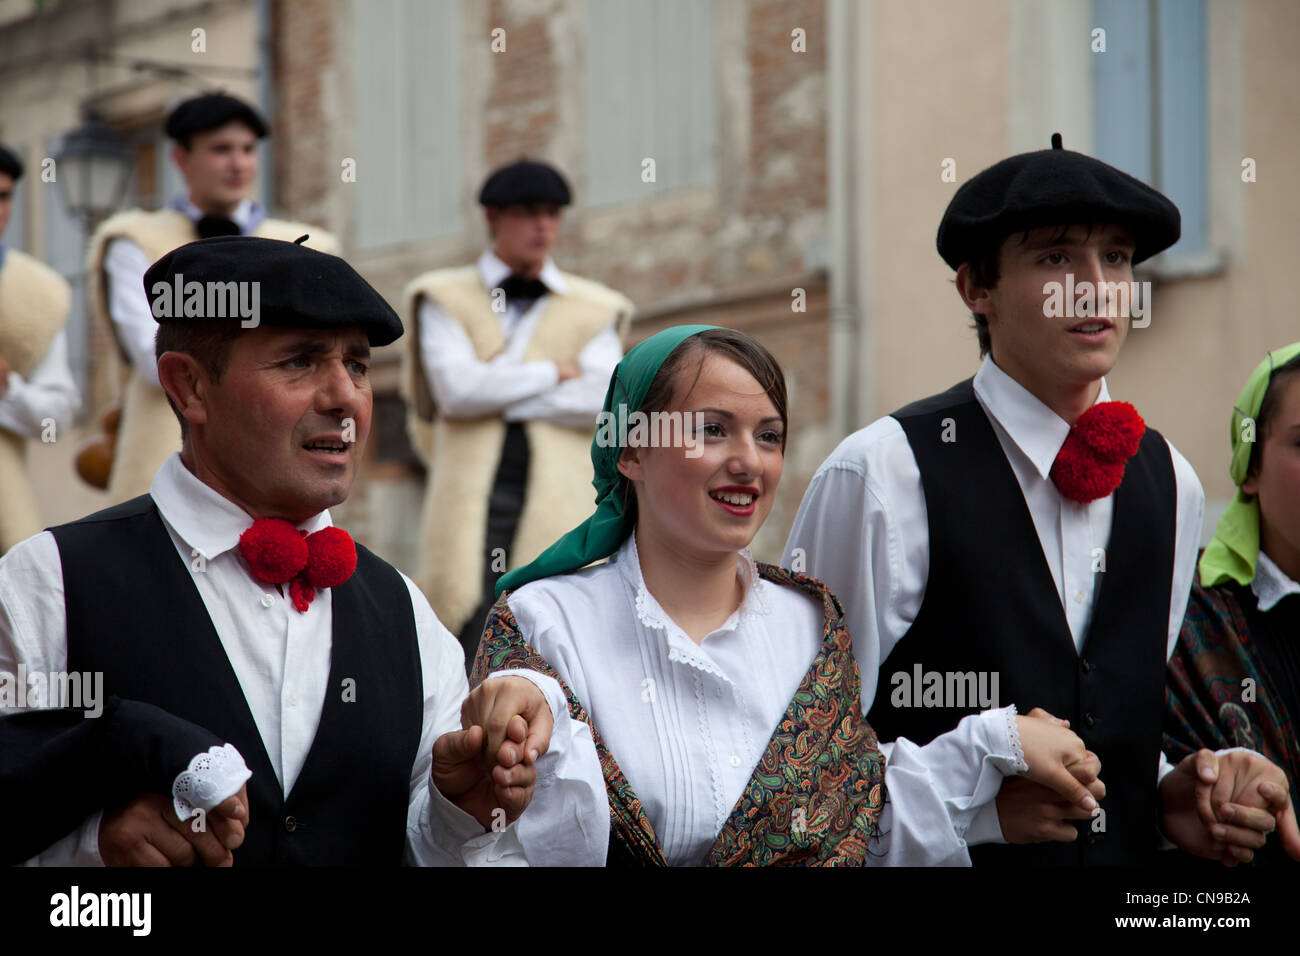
x=505, y=376
x=257, y=665
x=1021, y=531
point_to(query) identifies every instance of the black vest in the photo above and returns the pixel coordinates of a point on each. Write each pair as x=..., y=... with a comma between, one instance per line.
x=135, y=614
x=991, y=605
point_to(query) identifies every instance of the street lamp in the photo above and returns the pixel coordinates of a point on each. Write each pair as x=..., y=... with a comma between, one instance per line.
x=93, y=167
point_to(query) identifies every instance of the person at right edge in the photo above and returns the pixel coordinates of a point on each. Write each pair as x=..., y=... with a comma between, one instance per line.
x=1234, y=679
x=1023, y=525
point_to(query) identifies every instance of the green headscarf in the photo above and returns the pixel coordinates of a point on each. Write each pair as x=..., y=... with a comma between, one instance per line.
x=1231, y=556
x=602, y=534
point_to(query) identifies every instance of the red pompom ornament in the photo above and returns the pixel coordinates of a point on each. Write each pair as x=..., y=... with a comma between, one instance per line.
x=331, y=558
x=1090, y=465
x=277, y=552
x=274, y=549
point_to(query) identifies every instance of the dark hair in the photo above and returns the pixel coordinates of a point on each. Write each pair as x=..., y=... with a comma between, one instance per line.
x=984, y=273
x=1268, y=408
x=207, y=342
x=745, y=351
x=742, y=349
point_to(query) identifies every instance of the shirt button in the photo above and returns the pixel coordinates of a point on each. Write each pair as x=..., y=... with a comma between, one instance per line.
x=1079, y=597
x=734, y=760
x=293, y=700
x=717, y=692
x=267, y=600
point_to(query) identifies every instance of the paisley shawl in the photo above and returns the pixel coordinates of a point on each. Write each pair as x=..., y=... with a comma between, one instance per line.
x=816, y=795
x=1205, y=703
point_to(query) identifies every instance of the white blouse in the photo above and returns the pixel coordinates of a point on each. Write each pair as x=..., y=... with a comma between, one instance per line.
x=688, y=722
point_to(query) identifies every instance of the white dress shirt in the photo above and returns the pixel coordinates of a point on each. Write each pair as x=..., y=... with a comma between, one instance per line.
x=862, y=529
x=49, y=392
x=506, y=385
x=126, y=263
x=688, y=722
x=281, y=656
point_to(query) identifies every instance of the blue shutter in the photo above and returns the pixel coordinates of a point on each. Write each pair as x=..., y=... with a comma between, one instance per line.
x=650, y=94
x=406, y=70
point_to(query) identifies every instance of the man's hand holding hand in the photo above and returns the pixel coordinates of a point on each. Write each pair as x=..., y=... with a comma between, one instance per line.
x=1031, y=812
x=489, y=768
x=146, y=832
x=1222, y=807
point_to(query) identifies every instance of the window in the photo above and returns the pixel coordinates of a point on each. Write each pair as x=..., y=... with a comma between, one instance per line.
x=650, y=95
x=1149, y=105
x=407, y=146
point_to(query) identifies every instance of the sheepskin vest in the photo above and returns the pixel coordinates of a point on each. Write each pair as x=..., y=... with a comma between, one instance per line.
x=33, y=307
x=149, y=432
x=462, y=454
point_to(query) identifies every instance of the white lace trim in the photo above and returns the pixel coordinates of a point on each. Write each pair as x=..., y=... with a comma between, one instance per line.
x=1013, y=734
x=651, y=614
x=209, y=779
x=710, y=748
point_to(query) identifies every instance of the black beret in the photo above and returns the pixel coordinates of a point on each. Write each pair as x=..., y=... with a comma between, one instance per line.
x=211, y=111
x=1053, y=187
x=296, y=287
x=11, y=164
x=525, y=181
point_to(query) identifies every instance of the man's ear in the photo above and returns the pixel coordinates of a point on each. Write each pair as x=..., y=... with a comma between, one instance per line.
x=1251, y=485
x=187, y=384
x=975, y=297
x=181, y=157
x=629, y=464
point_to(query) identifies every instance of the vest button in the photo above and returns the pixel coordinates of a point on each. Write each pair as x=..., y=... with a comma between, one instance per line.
x=290, y=823
x=1089, y=718
x=1083, y=663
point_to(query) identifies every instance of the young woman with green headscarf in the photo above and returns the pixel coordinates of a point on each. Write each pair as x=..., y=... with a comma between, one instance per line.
x=711, y=703
x=1234, y=679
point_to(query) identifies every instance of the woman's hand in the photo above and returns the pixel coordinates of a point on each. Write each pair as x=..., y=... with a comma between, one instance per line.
x=1029, y=812
x=1051, y=749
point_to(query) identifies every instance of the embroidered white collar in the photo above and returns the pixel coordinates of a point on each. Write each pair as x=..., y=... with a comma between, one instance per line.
x=652, y=615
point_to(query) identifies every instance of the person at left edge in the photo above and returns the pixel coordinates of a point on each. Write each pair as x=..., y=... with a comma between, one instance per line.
x=215, y=148
x=36, y=385
x=332, y=695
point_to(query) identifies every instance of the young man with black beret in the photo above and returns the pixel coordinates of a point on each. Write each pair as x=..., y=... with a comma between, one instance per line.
x=36, y=385
x=215, y=140
x=238, y=632
x=504, y=380
x=1022, y=526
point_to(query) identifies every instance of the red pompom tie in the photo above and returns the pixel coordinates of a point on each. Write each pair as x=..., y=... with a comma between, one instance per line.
x=1090, y=465
x=274, y=549
x=277, y=552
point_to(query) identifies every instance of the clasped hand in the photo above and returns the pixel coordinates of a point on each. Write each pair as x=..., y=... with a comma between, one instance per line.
x=489, y=767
